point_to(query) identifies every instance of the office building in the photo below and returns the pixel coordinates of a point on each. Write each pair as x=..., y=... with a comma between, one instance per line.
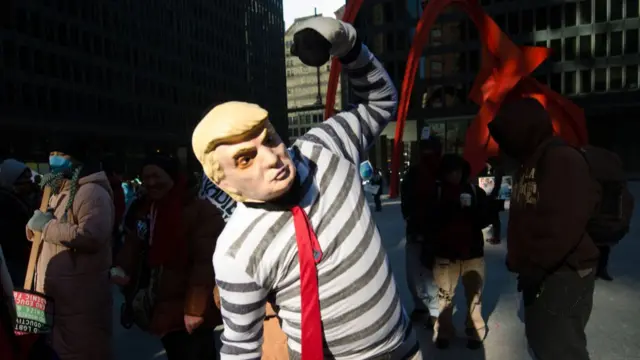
x=595, y=61
x=306, y=88
x=130, y=77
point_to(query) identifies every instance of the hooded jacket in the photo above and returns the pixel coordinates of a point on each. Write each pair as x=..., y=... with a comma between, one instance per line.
x=455, y=232
x=73, y=268
x=553, y=196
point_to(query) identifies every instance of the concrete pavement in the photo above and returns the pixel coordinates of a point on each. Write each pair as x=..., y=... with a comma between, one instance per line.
x=613, y=331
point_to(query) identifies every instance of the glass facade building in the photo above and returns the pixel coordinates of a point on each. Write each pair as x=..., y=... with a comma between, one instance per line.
x=132, y=76
x=595, y=59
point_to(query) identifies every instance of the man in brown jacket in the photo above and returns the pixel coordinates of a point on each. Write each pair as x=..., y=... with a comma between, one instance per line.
x=165, y=263
x=548, y=246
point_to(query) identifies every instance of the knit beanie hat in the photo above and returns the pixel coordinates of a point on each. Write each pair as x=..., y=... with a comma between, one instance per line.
x=170, y=165
x=72, y=147
x=10, y=171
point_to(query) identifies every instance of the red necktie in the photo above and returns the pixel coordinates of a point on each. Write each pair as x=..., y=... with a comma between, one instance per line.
x=309, y=254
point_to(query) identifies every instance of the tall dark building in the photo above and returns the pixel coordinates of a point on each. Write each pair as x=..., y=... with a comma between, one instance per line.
x=595, y=61
x=132, y=76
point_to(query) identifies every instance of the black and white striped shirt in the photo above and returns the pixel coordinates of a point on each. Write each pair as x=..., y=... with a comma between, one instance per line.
x=256, y=255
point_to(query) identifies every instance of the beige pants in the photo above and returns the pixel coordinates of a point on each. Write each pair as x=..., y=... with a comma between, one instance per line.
x=446, y=274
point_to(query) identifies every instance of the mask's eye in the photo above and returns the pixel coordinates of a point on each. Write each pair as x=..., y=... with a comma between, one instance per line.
x=245, y=159
x=243, y=162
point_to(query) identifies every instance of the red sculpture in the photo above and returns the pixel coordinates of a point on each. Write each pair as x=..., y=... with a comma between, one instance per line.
x=504, y=76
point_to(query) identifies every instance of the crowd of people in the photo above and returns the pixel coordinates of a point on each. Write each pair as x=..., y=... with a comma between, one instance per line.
x=300, y=263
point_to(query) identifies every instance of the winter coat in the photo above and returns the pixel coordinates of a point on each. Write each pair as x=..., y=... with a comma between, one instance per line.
x=181, y=291
x=552, y=198
x=73, y=268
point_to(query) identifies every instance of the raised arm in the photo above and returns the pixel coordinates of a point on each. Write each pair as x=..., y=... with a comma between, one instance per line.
x=351, y=133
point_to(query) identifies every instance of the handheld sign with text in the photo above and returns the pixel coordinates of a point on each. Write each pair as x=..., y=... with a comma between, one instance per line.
x=219, y=198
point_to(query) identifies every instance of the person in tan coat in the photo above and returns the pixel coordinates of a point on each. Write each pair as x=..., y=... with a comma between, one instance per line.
x=165, y=263
x=73, y=266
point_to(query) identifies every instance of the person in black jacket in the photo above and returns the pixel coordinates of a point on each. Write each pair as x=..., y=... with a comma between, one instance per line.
x=456, y=218
x=417, y=188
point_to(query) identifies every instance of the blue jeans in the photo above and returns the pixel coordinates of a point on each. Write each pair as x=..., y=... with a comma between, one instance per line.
x=420, y=280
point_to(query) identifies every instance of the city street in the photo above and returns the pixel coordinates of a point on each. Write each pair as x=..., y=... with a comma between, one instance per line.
x=613, y=330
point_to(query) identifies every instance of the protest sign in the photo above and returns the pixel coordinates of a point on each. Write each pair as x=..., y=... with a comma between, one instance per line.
x=219, y=198
x=34, y=312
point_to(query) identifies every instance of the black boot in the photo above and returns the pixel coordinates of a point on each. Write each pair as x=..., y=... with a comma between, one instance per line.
x=603, y=264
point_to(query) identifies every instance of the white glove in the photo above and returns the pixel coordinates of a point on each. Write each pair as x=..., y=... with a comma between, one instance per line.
x=342, y=36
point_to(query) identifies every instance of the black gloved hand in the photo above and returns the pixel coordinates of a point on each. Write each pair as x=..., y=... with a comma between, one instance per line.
x=319, y=38
x=311, y=47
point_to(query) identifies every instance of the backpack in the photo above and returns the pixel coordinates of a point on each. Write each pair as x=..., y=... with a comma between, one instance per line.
x=611, y=218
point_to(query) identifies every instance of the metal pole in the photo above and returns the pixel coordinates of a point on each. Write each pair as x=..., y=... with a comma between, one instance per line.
x=319, y=96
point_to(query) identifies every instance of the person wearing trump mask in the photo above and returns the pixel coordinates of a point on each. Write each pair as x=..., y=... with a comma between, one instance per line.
x=302, y=236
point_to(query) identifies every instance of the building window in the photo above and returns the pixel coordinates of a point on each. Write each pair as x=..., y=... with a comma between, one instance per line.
x=24, y=57
x=401, y=40
x=600, y=45
x=27, y=95
x=585, y=81
x=600, y=80
x=585, y=46
x=513, y=23
x=631, y=77
x=631, y=41
x=556, y=50
x=570, y=49
x=555, y=82
x=390, y=45
x=616, y=8
x=585, y=12
x=570, y=82
x=615, y=77
x=62, y=34
x=601, y=11
x=436, y=66
x=378, y=15
x=9, y=53
x=527, y=21
x=555, y=17
x=570, y=12
x=632, y=9
x=616, y=43
x=541, y=19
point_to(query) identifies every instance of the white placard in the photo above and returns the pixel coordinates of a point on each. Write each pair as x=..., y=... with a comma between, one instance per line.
x=219, y=198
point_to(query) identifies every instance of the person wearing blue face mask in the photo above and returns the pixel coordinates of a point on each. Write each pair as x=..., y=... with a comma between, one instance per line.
x=73, y=266
x=59, y=163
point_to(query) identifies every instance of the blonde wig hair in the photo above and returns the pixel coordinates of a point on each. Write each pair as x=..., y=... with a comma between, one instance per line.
x=228, y=123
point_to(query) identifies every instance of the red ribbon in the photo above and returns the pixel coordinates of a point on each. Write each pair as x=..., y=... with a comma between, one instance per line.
x=309, y=254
